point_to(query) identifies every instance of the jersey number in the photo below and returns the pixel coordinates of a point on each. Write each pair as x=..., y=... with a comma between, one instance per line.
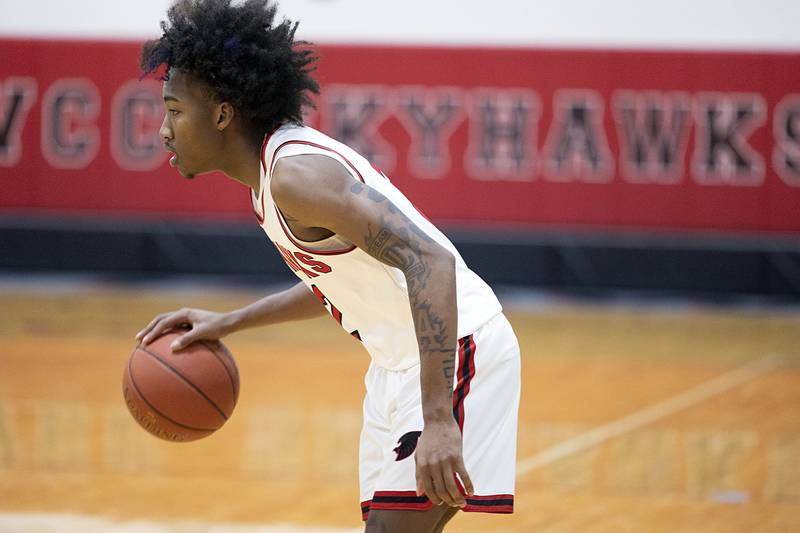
x=335, y=313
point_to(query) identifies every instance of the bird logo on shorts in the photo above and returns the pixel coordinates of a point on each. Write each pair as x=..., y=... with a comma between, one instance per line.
x=407, y=444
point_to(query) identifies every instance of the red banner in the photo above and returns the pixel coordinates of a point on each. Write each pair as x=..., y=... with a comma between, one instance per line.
x=637, y=139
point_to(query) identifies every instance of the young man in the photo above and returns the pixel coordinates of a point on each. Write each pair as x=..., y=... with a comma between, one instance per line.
x=439, y=431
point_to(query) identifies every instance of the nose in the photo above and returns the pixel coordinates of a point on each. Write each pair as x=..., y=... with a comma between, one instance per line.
x=165, y=131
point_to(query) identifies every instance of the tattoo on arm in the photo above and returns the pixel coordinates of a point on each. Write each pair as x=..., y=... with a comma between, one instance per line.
x=375, y=244
x=449, y=369
x=398, y=242
x=432, y=324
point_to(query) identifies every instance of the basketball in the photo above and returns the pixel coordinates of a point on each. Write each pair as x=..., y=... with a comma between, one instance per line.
x=181, y=396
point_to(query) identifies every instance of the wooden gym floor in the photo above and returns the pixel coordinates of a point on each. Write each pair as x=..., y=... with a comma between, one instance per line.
x=633, y=419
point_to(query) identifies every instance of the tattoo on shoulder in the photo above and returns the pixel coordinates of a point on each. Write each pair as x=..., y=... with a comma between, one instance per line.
x=376, y=197
x=360, y=188
x=357, y=187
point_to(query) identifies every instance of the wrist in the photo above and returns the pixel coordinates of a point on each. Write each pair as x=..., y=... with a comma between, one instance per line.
x=232, y=321
x=437, y=415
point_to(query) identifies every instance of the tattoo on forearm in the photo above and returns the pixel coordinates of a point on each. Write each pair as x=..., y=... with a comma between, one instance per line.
x=398, y=242
x=427, y=321
x=448, y=361
x=398, y=250
x=417, y=278
x=448, y=369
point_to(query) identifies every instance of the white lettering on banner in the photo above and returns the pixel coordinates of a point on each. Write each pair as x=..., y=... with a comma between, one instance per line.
x=723, y=122
x=430, y=115
x=352, y=114
x=576, y=146
x=503, y=134
x=786, y=128
x=136, y=114
x=17, y=96
x=502, y=125
x=653, y=132
x=70, y=137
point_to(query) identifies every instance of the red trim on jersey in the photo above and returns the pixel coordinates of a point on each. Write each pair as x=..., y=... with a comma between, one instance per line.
x=309, y=250
x=260, y=218
x=263, y=163
x=315, y=145
x=277, y=211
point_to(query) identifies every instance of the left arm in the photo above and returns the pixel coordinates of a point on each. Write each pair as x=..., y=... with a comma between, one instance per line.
x=317, y=192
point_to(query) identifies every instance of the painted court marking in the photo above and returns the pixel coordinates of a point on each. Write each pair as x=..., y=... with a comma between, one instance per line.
x=59, y=523
x=648, y=415
x=56, y=523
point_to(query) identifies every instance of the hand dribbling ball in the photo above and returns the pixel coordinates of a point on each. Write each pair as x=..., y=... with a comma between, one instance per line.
x=180, y=396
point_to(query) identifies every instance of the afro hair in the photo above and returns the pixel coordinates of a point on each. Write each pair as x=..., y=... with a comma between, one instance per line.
x=241, y=54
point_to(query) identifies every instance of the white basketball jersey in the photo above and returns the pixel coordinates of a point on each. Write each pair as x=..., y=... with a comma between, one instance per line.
x=368, y=298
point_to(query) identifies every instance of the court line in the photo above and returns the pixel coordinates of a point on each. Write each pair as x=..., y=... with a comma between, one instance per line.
x=58, y=522
x=648, y=415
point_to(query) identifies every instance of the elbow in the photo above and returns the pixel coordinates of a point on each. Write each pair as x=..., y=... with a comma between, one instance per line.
x=433, y=269
x=440, y=258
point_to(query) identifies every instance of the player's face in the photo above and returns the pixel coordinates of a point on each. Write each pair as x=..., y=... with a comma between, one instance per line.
x=189, y=128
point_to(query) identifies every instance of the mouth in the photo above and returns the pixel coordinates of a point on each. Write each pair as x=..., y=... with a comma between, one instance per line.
x=172, y=160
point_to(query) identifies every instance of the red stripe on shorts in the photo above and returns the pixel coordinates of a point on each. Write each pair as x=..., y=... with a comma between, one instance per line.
x=497, y=503
x=365, y=509
x=399, y=499
x=408, y=500
x=466, y=371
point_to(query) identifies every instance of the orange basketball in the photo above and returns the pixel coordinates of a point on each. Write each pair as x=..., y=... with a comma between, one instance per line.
x=181, y=396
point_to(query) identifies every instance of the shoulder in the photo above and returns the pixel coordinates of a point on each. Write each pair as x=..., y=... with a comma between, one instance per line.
x=301, y=181
x=290, y=176
x=307, y=170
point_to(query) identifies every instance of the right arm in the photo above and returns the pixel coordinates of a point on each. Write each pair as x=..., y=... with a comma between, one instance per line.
x=296, y=303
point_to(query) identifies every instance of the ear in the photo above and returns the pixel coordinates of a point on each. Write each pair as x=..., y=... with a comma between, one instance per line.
x=223, y=115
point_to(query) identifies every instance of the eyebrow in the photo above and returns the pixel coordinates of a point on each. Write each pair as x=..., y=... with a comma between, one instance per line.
x=171, y=98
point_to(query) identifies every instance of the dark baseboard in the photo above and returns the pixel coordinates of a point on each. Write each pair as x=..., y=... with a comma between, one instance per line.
x=690, y=265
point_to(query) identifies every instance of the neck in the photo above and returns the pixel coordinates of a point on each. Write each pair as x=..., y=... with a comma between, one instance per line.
x=241, y=161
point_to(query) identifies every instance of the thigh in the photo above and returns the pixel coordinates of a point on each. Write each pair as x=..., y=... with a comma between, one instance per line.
x=397, y=521
x=375, y=436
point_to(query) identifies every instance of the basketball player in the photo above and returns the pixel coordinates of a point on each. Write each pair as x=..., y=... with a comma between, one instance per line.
x=440, y=412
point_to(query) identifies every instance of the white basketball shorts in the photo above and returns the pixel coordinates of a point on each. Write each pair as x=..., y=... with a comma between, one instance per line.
x=485, y=405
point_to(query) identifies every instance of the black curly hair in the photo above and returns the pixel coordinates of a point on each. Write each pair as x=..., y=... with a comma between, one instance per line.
x=241, y=54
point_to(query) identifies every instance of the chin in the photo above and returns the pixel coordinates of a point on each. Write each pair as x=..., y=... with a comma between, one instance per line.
x=185, y=173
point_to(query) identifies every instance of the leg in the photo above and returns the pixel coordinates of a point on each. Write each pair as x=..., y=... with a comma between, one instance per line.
x=451, y=512
x=398, y=521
